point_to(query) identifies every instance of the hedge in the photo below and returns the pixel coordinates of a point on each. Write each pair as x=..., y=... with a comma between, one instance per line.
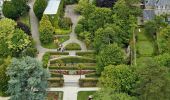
x=86, y=54
x=73, y=46
x=45, y=59
x=73, y=68
x=55, y=75
x=92, y=75
x=74, y=59
x=58, y=53
x=62, y=31
x=88, y=82
x=55, y=82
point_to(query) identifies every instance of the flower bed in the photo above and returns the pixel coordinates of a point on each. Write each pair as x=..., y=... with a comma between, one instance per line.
x=88, y=82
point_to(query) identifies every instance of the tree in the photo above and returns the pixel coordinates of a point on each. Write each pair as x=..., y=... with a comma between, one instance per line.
x=120, y=78
x=28, y=79
x=163, y=60
x=110, y=94
x=154, y=82
x=3, y=77
x=39, y=7
x=164, y=40
x=46, y=30
x=8, y=10
x=110, y=55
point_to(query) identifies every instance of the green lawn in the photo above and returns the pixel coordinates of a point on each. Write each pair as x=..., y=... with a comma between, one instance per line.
x=142, y=61
x=145, y=48
x=83, y=95
x=25, y=19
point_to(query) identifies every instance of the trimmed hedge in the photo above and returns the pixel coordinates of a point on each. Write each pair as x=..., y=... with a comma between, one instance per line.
x=62, y=31
x=86, y=54
x=55, y=82
x=88, y=82
x=74, y=59
x=73, y=46
x=55, y=75
x=73, y=68
x=45, y=59
x=58, y=53
x=92, y=75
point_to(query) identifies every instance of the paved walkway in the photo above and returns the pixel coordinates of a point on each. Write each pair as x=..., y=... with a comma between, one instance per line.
x=71, y=87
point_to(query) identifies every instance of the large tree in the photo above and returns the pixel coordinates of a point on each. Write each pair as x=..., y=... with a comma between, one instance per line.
x=46, y=30
x=120, y=78
x=28, y=79
x=39, y=7
x=110, y=55
x=154, y=82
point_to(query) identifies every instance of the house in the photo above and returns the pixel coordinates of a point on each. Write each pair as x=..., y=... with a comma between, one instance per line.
x=52, y=7
x=155, y=7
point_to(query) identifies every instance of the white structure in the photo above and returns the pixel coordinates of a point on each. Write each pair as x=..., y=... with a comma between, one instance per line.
x=52, y=7
x=155, y=7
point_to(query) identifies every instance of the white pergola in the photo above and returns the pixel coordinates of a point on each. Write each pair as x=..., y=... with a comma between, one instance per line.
x=52, y=7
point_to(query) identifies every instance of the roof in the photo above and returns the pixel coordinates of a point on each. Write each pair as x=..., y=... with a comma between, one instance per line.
x=163, y=3
x=148, y=14
x=150, y=2
x=52, y=7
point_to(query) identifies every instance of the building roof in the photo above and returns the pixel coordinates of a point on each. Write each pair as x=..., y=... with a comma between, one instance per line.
x=148, y=14
x=163, y=3
x=52, y=7
x=150, y=2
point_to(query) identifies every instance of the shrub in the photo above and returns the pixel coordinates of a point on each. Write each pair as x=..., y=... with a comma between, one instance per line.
x=30, y=51
x=86, y=54
x=73, y=46
x=55, y=82
x=9, y=10
x=65, y=23
x=79, y=28
x=73, y=59
x=58, y=53
x=45, y=59
x=46, y=30
x=72, y=68
x=24, y=27
x=67, y=2
x=92, y=75
x=62, y=32
x=56, y=74
x=88, y=82
x=39, y=7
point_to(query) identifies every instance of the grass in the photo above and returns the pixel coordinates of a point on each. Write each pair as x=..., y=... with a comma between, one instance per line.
x=25, y=19
x=55, y=96
x=50, y=45
x=63, y=38
x=62, y=31
x=73, y=46
x=83, y=95
x=142, y=61
x=145, y=48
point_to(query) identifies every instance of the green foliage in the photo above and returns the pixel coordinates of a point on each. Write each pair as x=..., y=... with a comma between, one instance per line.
x=46, y=30
x=26, y=76
x=110, y=55
x=39, y=7
x=79, y=28
x=120, y=78
x=164, y=40
x=154, y=82
x=163, y=60
x=62, y=31
x=73, y=68
x=109, y=94
x=55, y=82
x=30, y=51
x=73, y=59
x=8, y=10
x=65, y=23
x=73, y=46
x=3, y=77
x=88, y=82
x=83, y=95
x=45, y=59
x=12, y=40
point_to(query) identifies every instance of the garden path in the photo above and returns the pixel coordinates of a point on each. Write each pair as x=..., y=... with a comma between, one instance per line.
x=69, y=12
x=35, y=33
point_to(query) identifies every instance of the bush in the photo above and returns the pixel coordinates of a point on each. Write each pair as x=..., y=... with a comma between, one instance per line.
x=9, y=10
x=74, y=59
x=72, y=68
x=55, y=82
x=79, y=28
x=46, y=30
x=73, y=46
x=45, y=59
x=39, y=7
x=58, y=53
x=65, y=23
x=88, y=82
x=24, y=27
x=55, y=75
x=86, y=54
x=92, y=75
x=30, y=51
x=62, y=32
